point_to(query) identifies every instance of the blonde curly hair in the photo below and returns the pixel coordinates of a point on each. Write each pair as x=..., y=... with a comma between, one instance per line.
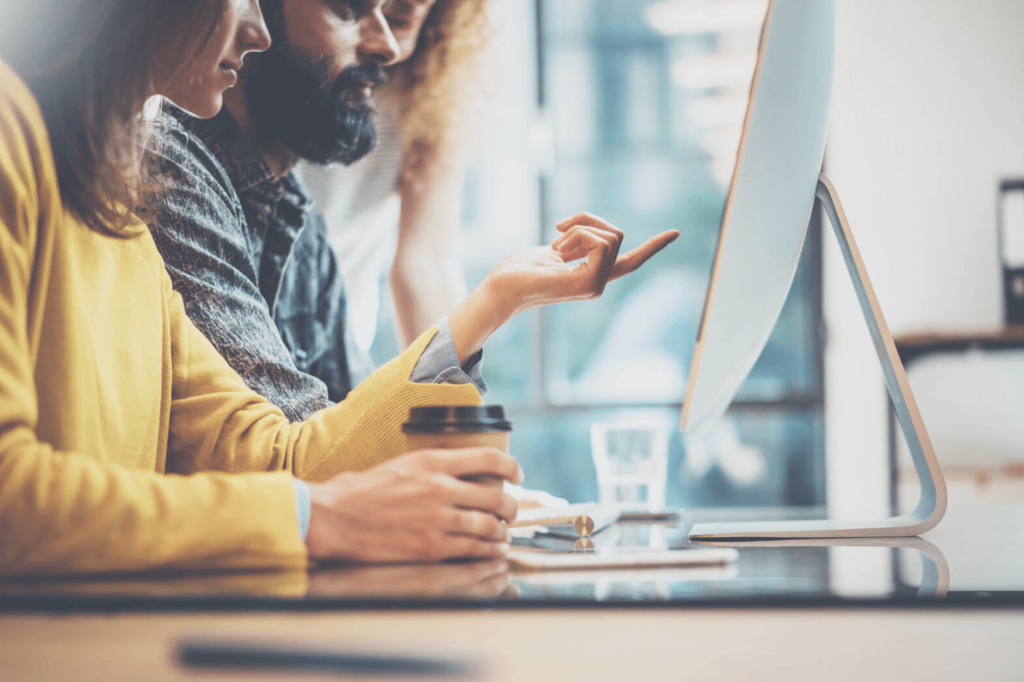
x=439, y=84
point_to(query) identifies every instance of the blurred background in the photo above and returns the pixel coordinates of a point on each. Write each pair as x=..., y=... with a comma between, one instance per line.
x=632, y=109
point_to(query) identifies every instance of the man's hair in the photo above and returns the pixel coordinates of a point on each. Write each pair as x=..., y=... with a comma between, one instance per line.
x=442, y=78
x=91, y=64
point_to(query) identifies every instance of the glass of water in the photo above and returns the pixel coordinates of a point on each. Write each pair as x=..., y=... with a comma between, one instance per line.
x=632, y=463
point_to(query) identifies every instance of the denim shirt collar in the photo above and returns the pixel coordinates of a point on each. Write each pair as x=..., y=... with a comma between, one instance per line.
x=248, y=171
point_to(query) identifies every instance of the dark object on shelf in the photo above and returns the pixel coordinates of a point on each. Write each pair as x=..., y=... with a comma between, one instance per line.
x=1011, y=248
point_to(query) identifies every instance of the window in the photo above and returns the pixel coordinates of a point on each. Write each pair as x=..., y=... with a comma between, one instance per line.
x=633, y=110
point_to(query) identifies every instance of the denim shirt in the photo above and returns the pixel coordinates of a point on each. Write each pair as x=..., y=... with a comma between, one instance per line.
x=249, y=254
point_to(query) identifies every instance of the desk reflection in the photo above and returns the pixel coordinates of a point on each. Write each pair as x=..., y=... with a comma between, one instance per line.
x=281, y=584
x=934, y=581
x=469, y=580
x=846, y=569
x=878, y=568
x=475, y=580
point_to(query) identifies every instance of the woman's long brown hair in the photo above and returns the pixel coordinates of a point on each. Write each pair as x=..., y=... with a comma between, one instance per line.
x=91, y=65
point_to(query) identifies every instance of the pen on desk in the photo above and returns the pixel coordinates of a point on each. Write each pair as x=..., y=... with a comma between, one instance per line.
x=265, y=656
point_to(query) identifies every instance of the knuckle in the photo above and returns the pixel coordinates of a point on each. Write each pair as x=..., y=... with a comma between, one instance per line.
x=496, y=500
x=426, y=544
x=469, y=524
x=474, y=524
x=397, y=473
x=493, y=459
x=410, y=461
x=437, y=484
x=450, y=518
x=432, y=459
x=491, y=527
x=444, y=517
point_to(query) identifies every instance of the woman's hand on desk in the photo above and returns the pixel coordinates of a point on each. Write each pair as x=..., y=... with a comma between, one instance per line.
x=414, y=508
x=576, y=266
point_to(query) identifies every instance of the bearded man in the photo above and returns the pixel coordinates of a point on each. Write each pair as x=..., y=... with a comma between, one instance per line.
x=244, y=243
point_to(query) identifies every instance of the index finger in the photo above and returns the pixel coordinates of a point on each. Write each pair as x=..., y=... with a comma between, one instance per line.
x=476, y=461
x=632, y=260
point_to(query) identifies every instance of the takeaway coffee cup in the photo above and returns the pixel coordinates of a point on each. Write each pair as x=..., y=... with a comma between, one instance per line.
x=459, y=427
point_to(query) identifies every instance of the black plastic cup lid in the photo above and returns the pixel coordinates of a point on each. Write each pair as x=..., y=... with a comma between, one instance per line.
x=457, y=419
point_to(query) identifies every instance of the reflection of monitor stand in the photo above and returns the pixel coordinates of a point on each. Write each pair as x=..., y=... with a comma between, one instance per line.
x=932, y=506
x=934, y=569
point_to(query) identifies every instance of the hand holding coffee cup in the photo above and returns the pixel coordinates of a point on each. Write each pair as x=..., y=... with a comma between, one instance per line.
x=433, y=428
x=443, y=499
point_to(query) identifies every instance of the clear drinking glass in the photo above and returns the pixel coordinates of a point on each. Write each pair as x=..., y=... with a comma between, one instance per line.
x=632, y=462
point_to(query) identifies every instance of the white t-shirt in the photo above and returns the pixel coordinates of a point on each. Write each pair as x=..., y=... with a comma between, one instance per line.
x=362, y=206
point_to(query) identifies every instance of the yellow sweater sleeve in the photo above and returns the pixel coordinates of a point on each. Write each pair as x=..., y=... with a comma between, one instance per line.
x=218, y=424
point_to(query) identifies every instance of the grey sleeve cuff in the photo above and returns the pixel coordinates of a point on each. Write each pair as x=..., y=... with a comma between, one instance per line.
x=439, y=363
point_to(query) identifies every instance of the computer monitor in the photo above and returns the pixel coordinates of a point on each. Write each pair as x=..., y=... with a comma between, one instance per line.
x=774, y=186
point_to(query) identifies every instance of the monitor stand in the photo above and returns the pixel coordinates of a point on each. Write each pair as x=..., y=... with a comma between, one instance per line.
x=932, y=506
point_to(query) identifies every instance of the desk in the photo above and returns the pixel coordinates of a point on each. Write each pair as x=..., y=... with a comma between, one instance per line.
x=793, y=612
x=532, y=646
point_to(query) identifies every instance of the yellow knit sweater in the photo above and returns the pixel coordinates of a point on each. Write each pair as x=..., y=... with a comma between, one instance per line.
x=124, y=436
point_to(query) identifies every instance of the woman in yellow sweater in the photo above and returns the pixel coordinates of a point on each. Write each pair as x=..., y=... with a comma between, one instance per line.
x=126, y=442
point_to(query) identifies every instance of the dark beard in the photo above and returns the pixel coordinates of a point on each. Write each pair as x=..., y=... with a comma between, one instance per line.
x=291, y=99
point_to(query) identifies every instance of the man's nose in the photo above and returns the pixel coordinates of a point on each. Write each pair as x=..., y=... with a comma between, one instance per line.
x=254, y=35
x=377, y=42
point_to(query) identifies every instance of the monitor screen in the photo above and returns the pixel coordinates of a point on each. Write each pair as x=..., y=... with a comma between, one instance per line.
x=769, y=203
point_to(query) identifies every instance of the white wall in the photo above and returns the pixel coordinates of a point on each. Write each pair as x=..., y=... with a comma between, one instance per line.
x=927, y=117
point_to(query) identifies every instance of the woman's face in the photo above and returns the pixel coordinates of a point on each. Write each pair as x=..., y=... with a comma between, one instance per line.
x=200, y=87
x=406, y=17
